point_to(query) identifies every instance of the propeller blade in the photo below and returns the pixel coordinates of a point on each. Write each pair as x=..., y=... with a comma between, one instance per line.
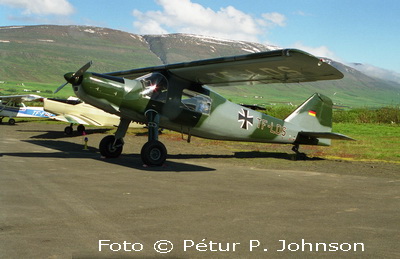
x=60, y=87
x=74, y=77
x=83, y=69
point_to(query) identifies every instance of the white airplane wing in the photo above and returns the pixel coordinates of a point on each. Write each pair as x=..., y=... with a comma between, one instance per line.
x=76, y=119
x=21, y=98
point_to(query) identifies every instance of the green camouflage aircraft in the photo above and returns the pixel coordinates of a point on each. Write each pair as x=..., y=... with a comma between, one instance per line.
x=176, y=97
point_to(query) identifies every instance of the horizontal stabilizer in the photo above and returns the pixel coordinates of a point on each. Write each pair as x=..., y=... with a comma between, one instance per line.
x=325, y=135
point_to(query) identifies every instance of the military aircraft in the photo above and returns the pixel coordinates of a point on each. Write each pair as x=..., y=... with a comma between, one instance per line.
x=176, y=97
x=74, y=111
x=13, y=106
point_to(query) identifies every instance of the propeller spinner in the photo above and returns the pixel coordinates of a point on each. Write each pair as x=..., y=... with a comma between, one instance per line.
x=73, y=78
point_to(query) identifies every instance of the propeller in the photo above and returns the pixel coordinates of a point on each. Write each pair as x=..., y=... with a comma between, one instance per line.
x=73, y=78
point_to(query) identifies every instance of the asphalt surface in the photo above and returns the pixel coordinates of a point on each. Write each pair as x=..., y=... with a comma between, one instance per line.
x=60, y=201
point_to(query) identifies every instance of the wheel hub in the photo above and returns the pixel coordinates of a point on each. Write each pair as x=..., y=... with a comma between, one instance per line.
x=155, y=154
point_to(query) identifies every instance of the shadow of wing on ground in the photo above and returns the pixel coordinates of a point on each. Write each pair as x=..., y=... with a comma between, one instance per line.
x=243, y=155
x=47, y=134
x=73, y=150
x=277, y=155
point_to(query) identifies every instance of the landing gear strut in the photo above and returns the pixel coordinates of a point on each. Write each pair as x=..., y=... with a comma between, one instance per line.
x=153, y=153
x=111, y=146
x=299, y=155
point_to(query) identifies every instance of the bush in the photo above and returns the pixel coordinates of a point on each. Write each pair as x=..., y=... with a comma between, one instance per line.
x=384, y=115
x=280, y=112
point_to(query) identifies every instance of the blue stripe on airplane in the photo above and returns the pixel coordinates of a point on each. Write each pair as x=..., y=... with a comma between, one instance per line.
x=21, y=112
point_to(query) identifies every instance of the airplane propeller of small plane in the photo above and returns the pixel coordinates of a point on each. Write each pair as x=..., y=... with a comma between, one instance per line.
x=176, y=97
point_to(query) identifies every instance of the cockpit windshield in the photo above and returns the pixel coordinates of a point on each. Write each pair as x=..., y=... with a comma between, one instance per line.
x=155, y=86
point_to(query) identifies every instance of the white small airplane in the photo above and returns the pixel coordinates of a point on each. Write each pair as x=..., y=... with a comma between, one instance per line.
x=12, y=106
x=74, y=111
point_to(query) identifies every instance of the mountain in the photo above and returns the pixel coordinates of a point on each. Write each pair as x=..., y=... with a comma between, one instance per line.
x=43, y=54
x=374, y=71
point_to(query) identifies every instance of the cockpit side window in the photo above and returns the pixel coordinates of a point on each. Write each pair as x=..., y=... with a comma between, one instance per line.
x=155, y=87
x=195, y=101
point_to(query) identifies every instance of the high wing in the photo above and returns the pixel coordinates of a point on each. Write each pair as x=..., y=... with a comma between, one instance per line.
x=21, y=98
x=280, y=66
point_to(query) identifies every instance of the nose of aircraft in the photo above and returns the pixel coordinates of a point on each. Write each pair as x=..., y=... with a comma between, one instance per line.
x=71, y=78
x=74, y=78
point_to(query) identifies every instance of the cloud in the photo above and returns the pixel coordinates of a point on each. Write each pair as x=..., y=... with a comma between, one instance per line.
x=321, y=51
x=184, y=16
x=30, y=19
x=378, y=72
x=41, y=7
x=275, y=18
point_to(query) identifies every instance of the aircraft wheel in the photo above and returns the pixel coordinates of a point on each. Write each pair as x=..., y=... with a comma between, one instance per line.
x=81, y=128
x=153, y=153
x=68, y=130
x=108, y=149
x=11, y=121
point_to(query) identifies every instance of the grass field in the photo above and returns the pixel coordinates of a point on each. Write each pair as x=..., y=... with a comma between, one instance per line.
x=42, y=89
x=373, y=142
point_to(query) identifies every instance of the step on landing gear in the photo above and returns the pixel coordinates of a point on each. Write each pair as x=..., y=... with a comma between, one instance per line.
x=153, y=153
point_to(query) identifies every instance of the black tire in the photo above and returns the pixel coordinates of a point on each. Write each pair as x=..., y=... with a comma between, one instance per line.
x=106, y=147
x=153, y=153
x=68, y=130
x=81, y=128
x=11, y=121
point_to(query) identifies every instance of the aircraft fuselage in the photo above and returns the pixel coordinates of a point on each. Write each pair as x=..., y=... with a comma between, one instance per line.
x=194, y=110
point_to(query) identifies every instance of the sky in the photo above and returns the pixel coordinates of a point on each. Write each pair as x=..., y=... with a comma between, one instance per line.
x=361, y=31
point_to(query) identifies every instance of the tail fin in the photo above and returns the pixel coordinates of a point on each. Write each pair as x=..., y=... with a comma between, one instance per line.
x=314, y=118
x=315, y=114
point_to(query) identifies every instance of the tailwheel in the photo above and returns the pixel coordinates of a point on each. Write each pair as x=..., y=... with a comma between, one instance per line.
x=110, y=147
x=153, y=153
x=299, y=155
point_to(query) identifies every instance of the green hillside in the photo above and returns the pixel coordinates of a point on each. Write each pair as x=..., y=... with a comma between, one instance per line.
x=37, y=57
x=45, y=53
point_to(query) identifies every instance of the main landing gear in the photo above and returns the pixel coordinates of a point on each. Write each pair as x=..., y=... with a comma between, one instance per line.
x=153, y=153
x=69, y=129
x=11, y=121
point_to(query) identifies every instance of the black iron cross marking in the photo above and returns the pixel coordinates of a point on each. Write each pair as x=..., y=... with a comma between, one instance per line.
x=245, y=119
